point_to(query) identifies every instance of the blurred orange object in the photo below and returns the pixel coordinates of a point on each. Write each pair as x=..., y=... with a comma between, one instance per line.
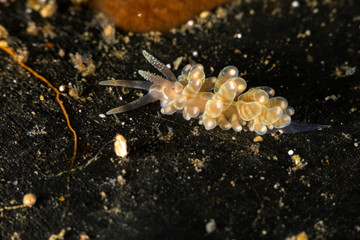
x=152, y=15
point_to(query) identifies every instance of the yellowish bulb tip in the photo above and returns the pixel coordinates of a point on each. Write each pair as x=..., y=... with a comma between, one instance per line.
x=232, y=72
x=261, y=99
x=240, y=88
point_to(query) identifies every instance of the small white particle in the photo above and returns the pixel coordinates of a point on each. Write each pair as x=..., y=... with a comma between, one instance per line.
x=195, y=53
x=238, y=35
x=102, y=115
x=190, y=23
x=290, y=152
x=62, y=88
x=210, y=226
x=332, y=97
x=295, y=4
x=168, y=66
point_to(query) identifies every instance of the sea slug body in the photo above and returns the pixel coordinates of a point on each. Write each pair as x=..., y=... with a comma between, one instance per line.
x=215, y=101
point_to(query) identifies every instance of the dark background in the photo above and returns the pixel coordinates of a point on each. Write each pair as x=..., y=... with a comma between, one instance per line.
x=251, y=190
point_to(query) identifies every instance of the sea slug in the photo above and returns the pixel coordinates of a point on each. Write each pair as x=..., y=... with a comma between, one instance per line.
x=215, y=101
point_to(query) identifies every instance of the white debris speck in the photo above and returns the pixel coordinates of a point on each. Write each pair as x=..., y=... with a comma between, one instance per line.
x=195, y=53
x=190, y=23
x=37, y=130
x=332, y=97
x=295, y=4
x=238, y=35
x=102, y=115
x=290, y=152
x=168, y=66
x=210, y=226
x=62, y=88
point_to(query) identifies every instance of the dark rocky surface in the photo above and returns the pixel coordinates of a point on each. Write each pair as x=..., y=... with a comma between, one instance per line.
x=178, y=176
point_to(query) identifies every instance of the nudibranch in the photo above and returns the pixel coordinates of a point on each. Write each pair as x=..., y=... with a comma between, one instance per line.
x=215, y=101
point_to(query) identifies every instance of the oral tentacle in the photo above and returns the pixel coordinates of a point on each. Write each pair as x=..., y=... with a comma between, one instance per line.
x=127, y=83
x=148, y=98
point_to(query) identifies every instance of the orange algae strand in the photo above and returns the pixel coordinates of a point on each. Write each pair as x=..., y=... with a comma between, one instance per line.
x=33, y=72
x=152, y=15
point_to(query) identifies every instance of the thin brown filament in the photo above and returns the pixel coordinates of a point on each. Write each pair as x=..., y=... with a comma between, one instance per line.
x=23, y=65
